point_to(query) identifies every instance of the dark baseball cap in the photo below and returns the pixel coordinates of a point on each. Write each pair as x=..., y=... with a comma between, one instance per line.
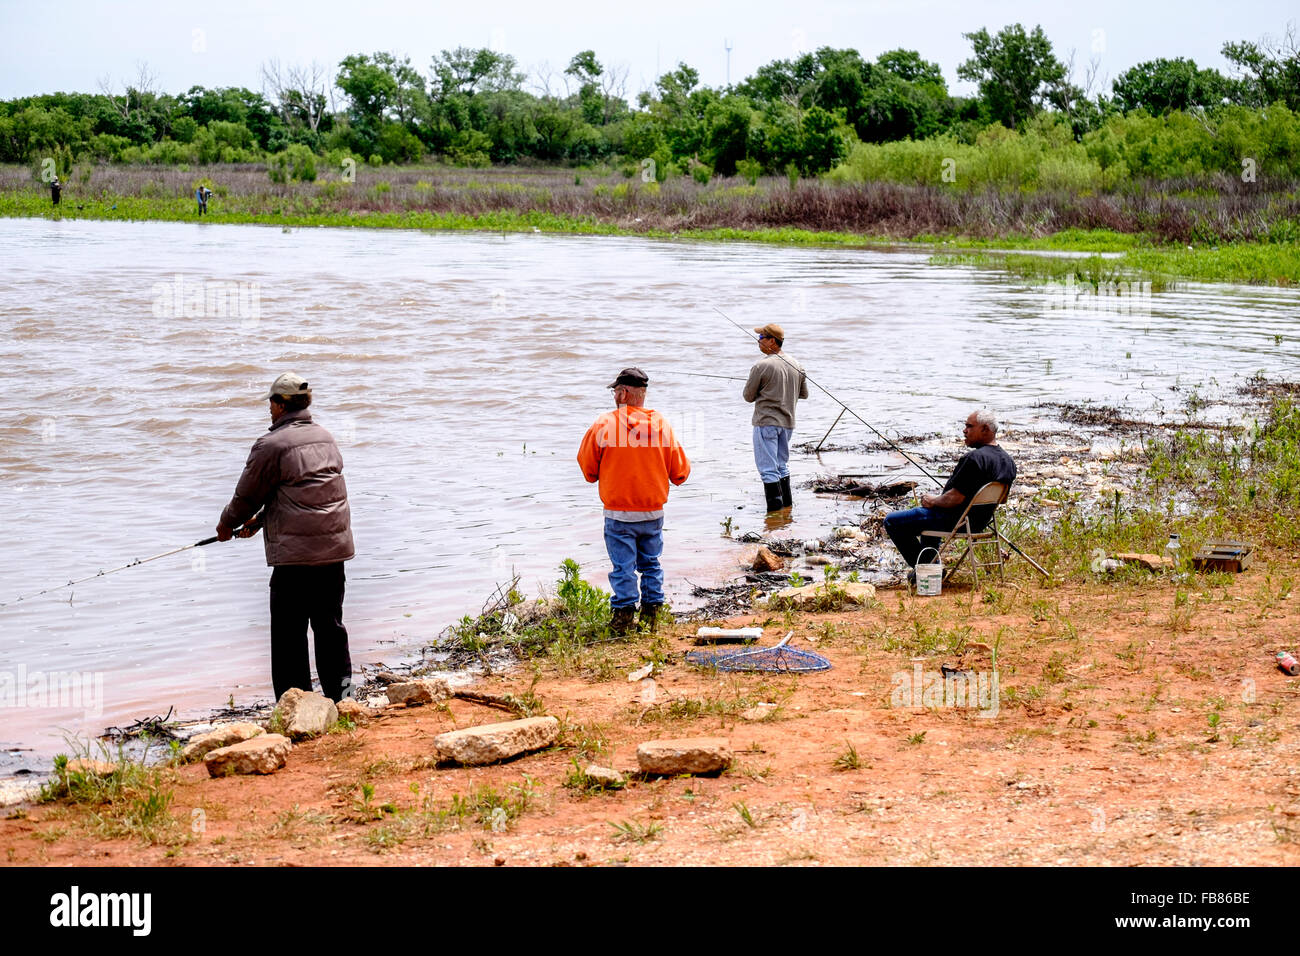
x=632, y=377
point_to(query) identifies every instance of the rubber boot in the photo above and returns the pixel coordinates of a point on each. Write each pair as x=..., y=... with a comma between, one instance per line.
x=786, y=499
x=773, y=491
x=621, y=622
x=649, y=620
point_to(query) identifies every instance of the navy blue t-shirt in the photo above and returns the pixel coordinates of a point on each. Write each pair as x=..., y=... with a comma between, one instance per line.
x=975, y=470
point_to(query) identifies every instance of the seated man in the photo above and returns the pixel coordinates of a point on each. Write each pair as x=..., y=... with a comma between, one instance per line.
x=988, y=462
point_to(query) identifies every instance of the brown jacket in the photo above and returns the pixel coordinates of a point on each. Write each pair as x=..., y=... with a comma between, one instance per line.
x=295, y=473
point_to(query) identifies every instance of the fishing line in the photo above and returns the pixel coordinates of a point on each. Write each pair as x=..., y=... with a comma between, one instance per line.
x=100, y=574
x=729, y=378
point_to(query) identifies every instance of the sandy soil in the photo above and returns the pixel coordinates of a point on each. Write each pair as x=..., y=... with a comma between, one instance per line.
x=1105, y=750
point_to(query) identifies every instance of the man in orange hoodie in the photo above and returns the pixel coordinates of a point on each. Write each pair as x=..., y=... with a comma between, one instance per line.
x=634, y=454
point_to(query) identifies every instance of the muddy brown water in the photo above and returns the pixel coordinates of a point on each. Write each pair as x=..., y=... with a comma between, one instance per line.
x=458, y=372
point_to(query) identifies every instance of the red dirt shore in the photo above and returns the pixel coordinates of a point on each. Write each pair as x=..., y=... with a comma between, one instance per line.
x=1134, y=727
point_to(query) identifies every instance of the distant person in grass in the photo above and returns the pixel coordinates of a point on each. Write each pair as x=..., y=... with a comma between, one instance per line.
x=56, y=188
x=634, y=455
x=202, y=194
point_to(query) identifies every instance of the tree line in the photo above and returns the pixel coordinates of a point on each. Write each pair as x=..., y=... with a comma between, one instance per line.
x=474, y=107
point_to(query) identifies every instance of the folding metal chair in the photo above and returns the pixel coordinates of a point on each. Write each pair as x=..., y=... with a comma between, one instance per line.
x=994, y=493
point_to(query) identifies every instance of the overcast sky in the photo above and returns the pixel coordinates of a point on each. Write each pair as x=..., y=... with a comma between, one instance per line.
x=70, y=45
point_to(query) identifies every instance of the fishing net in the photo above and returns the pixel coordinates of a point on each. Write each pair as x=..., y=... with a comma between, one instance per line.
x=778, y=659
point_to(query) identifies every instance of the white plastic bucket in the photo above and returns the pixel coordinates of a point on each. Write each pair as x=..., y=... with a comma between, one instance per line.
x=929, y=577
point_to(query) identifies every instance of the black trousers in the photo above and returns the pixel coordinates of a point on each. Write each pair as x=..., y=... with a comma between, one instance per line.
x=309, y=593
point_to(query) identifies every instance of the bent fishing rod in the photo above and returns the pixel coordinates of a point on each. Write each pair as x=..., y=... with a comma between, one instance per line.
x=846, y=408
x=100, y=574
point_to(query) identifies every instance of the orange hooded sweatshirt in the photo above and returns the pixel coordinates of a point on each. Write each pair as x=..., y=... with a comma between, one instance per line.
x=633, y=453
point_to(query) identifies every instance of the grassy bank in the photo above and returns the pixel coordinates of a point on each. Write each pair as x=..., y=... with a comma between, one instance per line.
x=1234, y=235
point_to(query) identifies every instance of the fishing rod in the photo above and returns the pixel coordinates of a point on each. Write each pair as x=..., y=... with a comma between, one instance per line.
x=729, y=378
x=100, y=574
x=846, y=408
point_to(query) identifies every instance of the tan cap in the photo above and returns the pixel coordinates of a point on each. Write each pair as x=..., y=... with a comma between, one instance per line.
x=288, y=384
x=772, y=330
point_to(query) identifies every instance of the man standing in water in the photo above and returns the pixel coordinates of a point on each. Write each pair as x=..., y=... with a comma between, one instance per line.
x=975, y=469
x=292, y=487
x=634, y=454
x=774, y=385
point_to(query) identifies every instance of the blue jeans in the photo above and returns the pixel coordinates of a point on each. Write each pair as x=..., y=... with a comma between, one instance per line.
x=905, y=527
x=772, y=452
x=635, y=546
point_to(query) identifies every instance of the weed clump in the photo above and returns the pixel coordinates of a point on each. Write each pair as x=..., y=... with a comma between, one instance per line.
x=131, y=800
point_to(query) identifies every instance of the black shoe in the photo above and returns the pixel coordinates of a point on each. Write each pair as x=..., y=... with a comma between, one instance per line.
x=786, y=500
x=621, y=621
x=773, y=491
x=649, y=620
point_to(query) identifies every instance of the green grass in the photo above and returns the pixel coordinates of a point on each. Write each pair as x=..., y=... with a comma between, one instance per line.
x=634, y=832
x=134, y=800
x=1272, y=263
x=849, y=760
x=1258, y=263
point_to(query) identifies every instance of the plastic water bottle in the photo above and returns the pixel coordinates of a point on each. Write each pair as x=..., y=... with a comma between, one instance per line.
x=1174, y=549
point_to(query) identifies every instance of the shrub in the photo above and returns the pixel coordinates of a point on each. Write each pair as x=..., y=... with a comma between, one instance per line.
x=470, y=148
x=295, y=163
x=749, y=170
x=184, y=129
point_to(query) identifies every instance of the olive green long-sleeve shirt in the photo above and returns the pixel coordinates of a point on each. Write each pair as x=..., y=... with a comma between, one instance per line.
x=775, y=383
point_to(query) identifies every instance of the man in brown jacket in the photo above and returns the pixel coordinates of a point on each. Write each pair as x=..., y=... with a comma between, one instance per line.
x=292, y=488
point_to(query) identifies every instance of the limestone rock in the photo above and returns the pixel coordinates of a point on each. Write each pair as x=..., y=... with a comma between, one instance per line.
x=604, y=776
x=353, y=710
x=685, y=755
x=758, y=712
x=89, y=767
x=417, y=692
x=855, y=592
x=765, y=560
x=305, y=713
x=490, y=743
x=641, y=673
x=1152, y=562
x=223, y=735
x=262, y=754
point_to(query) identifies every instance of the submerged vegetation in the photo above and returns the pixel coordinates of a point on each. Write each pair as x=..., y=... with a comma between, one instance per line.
x=1200, y=483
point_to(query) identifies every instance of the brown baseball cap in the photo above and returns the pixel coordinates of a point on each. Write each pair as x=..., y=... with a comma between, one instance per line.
x=771, y=330
x=632, y=376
